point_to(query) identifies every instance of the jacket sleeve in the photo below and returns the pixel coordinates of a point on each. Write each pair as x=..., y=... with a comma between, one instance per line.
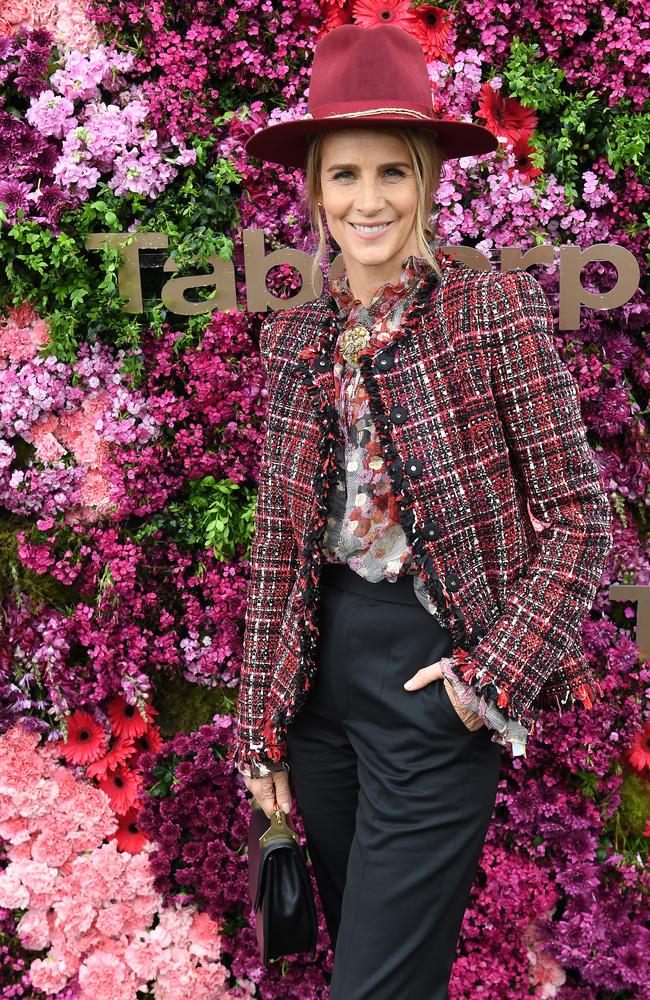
x=273, y=563
x=539, y=407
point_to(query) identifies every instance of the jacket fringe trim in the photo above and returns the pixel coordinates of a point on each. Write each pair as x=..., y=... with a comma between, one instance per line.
x=274, y=723
x=468, y=670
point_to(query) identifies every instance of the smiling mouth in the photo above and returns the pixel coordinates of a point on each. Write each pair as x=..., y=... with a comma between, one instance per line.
x=368, y=230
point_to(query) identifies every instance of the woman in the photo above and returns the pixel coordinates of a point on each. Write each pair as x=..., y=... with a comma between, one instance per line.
x=430, y=530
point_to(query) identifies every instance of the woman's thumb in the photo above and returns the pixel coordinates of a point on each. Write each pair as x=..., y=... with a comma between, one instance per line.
x=282, y=791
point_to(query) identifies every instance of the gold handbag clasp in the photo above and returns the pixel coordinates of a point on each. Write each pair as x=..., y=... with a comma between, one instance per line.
x=278, y=830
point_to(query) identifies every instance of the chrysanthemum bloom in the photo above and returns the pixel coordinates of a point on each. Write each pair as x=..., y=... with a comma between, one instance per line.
x=86, y=740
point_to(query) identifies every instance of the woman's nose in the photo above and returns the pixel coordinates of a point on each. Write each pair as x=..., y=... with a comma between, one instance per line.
x=368, y=198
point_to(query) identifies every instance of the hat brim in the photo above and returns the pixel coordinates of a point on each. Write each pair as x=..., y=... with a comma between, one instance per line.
x=286, y=142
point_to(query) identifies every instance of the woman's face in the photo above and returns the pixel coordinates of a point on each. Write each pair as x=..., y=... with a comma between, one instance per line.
x=367, y=178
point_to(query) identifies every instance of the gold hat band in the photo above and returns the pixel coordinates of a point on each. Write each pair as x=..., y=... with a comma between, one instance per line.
x=374, y=111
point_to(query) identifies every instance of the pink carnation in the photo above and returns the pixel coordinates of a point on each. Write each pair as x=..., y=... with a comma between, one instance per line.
x=34, y=930
x=205, y=941
x=49, y=974
x=146, y=952
x=48, y=449
x=37, y=876
x=21, y=335
x=105, y=974
x=14, y=894
x=52, y=846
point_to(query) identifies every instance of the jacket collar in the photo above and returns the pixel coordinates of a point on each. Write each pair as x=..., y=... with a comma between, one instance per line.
x=313, y=362
x=385, y=297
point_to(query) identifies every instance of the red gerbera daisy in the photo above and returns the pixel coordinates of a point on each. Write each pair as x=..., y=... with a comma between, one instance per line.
x=118, y=754
x=431, y=28
x=504, y=116
x=149, y=742
x=86, y=739
x=126, y=719
x=371, y=13
x=121, y=786
x=640, y=750
x=128, y=837
x=522, y=149
x=333, y=14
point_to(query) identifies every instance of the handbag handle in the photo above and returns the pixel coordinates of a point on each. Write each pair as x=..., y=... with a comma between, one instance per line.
x=279, y=828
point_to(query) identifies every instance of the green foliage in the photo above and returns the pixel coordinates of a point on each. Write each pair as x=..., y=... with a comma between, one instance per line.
x=220, y=520
x=574, y=129
x=217, y=514
x=77, y=289
x=164, y=776
x=184, y=706
x=628, y=139
x=535, y=82
x=624, y=829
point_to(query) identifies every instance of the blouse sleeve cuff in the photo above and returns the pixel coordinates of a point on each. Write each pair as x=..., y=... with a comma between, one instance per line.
x=507, y=732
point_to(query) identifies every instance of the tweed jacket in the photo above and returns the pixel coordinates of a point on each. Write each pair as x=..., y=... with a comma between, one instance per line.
x=499, y=494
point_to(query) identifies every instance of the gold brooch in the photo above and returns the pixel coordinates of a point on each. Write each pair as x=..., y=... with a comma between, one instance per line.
x=353, y=341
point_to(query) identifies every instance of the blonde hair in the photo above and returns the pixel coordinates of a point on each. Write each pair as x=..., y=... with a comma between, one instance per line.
x=427, y=164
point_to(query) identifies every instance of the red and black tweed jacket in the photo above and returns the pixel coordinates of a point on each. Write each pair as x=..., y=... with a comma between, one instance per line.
x=493, y=434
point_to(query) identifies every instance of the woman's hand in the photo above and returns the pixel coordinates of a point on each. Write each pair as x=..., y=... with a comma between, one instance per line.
x=424, y=676
x=433, y=672
x=272, y=791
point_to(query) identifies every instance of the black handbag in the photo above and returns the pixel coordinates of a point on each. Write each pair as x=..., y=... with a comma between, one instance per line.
x=280, y=887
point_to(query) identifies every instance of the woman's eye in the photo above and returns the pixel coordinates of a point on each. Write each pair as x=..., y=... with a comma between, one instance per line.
x=391, y=170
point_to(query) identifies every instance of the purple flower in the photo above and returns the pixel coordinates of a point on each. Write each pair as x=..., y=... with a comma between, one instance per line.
x=27, y=143
x=43, y=163
x=13, y=197
x=50, y=204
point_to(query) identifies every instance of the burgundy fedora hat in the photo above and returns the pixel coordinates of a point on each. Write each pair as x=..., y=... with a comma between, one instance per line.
x=363, y=77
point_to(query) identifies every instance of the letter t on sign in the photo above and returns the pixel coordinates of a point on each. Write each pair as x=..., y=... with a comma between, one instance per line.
x=257, y=265
x=128, y=274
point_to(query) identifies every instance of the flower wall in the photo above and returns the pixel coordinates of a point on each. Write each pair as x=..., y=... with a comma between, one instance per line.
x=129, y=456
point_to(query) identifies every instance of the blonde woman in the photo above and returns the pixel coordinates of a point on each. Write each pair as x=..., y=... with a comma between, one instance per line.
x=431, y=529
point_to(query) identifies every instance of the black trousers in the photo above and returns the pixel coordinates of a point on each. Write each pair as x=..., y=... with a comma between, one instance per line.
x=395, y=793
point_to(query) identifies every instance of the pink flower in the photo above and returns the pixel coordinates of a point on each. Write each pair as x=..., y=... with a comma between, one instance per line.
x=52, y=847
x=21, y=335
x=51, y=114
x=105, y=974
x=145, y=953
x=48, y=449
x=49, y=974
x=33, y=930
x=37, y=876
x=14, y=894
x=176, y=978
x=205, y=941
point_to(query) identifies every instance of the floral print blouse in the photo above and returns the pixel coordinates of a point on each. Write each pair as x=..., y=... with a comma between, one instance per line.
x=363, y=528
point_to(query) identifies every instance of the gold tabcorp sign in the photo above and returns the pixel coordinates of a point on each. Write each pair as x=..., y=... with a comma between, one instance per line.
x=258, y=263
